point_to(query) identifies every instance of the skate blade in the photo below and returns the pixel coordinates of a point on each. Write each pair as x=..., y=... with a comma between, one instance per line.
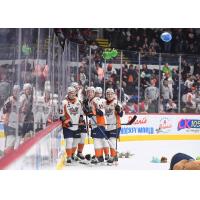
x=84, y=162
x=113, y=164
x=71, y=164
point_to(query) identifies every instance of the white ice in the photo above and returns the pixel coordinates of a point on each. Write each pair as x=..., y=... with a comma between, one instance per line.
x=143, y=152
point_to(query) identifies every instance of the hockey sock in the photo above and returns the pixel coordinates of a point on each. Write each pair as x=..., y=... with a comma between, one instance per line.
x=106, y=150
x=80, y=148
x=113, y=152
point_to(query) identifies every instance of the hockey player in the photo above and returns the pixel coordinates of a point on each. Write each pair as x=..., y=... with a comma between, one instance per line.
x=71, y=113
x=82, y=127
x=39, y=116
x=98, y=93
x=113, y=112
x=48, y=106
x=95, y=111
x=10, y=118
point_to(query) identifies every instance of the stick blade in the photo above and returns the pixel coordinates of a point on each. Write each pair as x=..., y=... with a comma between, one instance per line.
x=132, y=120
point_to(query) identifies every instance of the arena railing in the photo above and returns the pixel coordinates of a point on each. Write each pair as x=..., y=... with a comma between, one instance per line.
x=42, y=151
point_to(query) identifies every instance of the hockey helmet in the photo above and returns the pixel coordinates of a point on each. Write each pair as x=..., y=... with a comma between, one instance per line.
x=71, y=92
x=90, y=92
x=98, y=91
x=110, y=94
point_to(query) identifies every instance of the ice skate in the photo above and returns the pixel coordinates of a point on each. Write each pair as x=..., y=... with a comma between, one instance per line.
x=80, y=156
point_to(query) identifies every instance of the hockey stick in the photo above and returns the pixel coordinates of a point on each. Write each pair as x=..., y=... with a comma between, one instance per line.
x=105, y=137
x=110, y=143
x=123, y=124
x=87, y=128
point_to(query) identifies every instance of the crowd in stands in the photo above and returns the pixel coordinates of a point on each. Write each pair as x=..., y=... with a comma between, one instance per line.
x=143, y=88
x=148, y=40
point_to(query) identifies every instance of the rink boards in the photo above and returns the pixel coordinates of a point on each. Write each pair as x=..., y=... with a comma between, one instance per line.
x=47, y=148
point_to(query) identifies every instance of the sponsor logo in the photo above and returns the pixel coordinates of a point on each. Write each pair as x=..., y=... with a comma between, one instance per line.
x=137, y=130
x=138, y=121
x=164, y=126
x=188, y=124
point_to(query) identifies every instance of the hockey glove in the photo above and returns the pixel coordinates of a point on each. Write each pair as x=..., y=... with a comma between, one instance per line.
x=70, y=124
x=62, y=118
x=90, y=115
x=117, y=108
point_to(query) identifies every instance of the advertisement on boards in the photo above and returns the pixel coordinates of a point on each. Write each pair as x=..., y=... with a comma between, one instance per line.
x=161, y=124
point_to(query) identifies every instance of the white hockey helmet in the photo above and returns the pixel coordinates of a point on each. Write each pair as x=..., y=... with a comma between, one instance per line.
x=98, y=91
x=90, y=92
x=16, y=87
x=110, y=94
x=27, y=86
x=71, y=92
x=90, y=89
x=75, y=85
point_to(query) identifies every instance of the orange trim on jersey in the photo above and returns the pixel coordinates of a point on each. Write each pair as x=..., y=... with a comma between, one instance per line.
x=118, y=120
x=100, y=120
x=68, y=119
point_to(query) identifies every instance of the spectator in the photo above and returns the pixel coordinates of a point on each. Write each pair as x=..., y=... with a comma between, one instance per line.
x=166, y=69
x=190, y=104
x=132, y=80
x=4, y=88
x=151, y=95
x=171, y=106
x=166, y=93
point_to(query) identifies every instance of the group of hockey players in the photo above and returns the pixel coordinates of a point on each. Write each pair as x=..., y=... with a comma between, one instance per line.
x=26, y=112
x=94, y=115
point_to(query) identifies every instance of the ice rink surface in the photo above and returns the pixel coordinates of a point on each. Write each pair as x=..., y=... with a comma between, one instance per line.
x=143, y=152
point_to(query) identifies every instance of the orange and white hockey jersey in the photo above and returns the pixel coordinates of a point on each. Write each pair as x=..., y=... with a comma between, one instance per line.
x=95, y=104
x=72, y=110
x=112, y=118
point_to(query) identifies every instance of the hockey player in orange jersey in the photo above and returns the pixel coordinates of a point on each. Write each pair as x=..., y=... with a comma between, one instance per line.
x=72, y=110
x=113, y=112
x=95, y=111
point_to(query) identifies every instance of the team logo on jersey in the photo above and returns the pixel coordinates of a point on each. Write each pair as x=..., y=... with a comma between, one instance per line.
x=109, y=112
x=73, y=111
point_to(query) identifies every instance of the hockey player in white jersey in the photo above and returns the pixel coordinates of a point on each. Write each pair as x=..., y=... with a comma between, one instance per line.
x=39, y=116
x=71, y=113
x=99, y=94
x=113, y=112
x=47, y=106
x=96, y=112
x=10, y=118
x=82, y=126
